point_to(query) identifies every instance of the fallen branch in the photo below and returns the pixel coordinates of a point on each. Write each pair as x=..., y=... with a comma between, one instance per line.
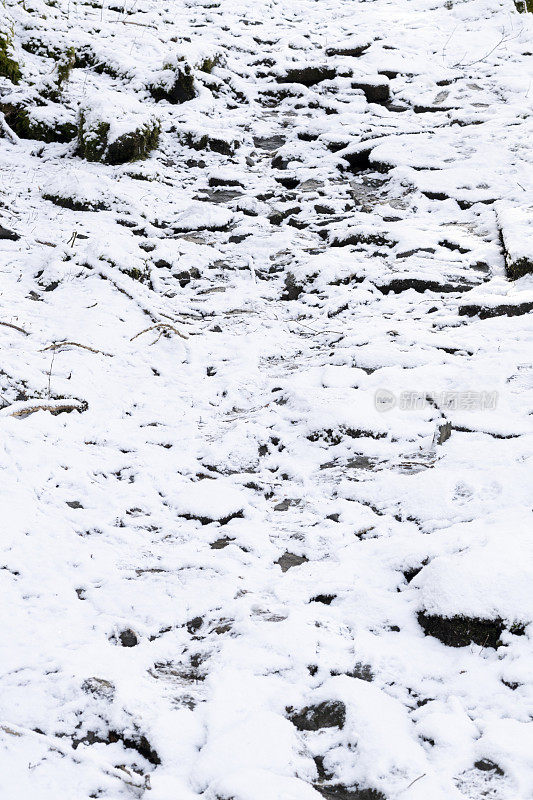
x=25, y=407
x=15, y=327
x=79, y=756
x=163, y=326
x=57, y=345
x=131, y=22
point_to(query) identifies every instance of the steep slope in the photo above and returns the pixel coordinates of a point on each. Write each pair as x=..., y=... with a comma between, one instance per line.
x=267, y=392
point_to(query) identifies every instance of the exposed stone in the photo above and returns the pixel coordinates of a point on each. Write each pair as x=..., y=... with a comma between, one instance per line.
x=128, y=638
x=307, y=76
x=99, y=687
x=337, y=792
x=288, y=560
x=504, y=310
x=351, y=50
x=95, y=144
x=459, y=631
x=329, y=714
x=7, y=234
x=485, y=765
x=175, y=86
x=374, y=91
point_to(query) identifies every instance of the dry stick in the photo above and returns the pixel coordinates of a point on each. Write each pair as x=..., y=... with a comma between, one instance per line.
x=164, y=326
x=32, y=409
x=50, y=373
x=130, y=22
x=15, y=327
x=57, y=345
x=336, y=333
x=78, y=757
x=413, y=782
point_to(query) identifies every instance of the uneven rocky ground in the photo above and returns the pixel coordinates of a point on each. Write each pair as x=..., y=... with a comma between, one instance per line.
x=266, y=439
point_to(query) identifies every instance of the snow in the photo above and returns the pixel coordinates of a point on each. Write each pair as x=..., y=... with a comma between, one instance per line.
x=266, y=396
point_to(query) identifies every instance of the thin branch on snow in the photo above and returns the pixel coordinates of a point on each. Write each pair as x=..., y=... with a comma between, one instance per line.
x=58, y=345
x=506, y=37
x=413, y=782
x=163, y=326
x=25, y=407
x=15, y=327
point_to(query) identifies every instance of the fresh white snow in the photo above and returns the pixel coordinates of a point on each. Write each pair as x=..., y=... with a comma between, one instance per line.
x=266, y=431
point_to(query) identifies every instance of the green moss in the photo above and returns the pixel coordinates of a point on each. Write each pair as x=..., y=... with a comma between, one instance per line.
x=64, y=67
x=523, y=6
x=208, y=64
x=93, y=143
x=133, y=146
x=136, y=274
x=18, y=117
x=9, y=68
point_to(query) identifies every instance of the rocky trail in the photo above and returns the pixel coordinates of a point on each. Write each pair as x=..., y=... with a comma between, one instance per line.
x=266, y=387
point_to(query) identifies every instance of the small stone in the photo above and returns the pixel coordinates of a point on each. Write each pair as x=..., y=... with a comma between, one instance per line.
x=99, y=687
x=485, y=765
x=128, y=638
x=194, y=624
x=289, y=560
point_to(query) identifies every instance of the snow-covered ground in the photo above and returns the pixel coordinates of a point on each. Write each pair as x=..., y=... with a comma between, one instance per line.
x=267, y=396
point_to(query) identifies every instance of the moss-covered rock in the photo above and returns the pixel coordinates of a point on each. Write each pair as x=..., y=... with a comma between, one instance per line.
x=9, y=67
x=45, y=124
x=131, y=135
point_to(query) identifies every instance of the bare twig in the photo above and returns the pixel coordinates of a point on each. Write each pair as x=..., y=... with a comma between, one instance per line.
x=336, y=333
x=21, y=409
x=413, y=782
x=15, y=327
x=50, y=372
x=58, y=345
x=131, y=22
x=506, y=37
x=163, y=326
